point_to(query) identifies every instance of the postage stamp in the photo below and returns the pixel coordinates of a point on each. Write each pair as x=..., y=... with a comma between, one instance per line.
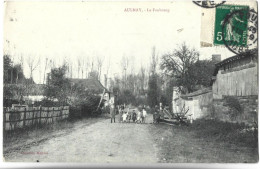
x=231, y=24
x=240, y=37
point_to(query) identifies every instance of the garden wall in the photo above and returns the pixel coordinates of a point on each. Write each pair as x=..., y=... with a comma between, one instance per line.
x=236, y=109
x=200, y=106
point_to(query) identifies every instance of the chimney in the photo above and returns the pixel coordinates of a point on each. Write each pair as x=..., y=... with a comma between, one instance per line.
x=216, y=58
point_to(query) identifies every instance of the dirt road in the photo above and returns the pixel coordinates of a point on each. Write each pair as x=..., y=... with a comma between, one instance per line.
x=96, y=140
x=101, y=142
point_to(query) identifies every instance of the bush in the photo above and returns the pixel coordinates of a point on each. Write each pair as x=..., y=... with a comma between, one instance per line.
x=9, y=102
x=48, y=103
x=234, y=105
x=86, y=107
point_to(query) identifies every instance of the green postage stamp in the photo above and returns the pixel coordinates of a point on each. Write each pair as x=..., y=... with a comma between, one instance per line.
x=231, y=25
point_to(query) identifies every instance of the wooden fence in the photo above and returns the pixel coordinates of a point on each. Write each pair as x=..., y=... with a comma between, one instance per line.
x=25, y=117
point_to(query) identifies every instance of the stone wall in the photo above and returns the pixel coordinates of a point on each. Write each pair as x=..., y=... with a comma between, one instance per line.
x=200, y=106
x=226, y=111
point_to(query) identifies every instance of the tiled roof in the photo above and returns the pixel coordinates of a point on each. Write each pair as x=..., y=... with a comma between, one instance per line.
x=91, y=84
x=250, y=53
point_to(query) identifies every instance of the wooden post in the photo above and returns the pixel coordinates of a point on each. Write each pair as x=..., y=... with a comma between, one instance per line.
x=24, y=117
x=4, y=119
x=47, y=115
x=61, y=112
x=52, y=114
x=33, y=120
x=40, y=122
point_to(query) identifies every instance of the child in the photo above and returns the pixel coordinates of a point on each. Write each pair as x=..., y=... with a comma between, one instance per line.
x=144, y=115
x=138, y=117
x=124, y=117
x=120, y=114
x=129, y=116
x=134, y=116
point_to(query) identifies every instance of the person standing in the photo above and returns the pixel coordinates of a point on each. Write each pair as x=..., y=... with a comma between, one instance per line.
x=124, y=117
x=120, y=114
x=134, y=116
x=156, y=115
x=112, y=113
x=144, y=115
x=138, y=117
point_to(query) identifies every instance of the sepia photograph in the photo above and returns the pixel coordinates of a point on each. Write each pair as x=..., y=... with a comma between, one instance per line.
x=130, y=82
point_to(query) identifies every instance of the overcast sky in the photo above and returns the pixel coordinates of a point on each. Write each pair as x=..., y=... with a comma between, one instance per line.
x=69, y=30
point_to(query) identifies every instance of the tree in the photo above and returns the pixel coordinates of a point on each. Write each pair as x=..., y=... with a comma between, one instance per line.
x=178, y=65
x=79, y=66
x=201, y=73
x=125, y=64
x=99, y=66
x=7, y=68
x=12, y=73
x=33, y=64
x=153, y=91
x=58, y=86
x=142, y=79
x=154, y=61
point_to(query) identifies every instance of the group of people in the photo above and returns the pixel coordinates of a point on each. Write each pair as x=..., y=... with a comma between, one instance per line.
x=126, y=115
x=135, y=115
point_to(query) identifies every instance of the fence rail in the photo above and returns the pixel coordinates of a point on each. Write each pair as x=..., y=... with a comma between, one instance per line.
x=25, y=117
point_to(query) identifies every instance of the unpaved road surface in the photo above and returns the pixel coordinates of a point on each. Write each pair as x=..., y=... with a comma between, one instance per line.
x=96, y=140
x=101, y=142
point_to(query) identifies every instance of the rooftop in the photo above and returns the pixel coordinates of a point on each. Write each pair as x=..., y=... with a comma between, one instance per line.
x=91, y=84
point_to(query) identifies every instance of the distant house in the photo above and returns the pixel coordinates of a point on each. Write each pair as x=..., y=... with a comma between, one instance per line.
x=34, y=92
x=90, y=84
x=94, y=85
x=26, y=92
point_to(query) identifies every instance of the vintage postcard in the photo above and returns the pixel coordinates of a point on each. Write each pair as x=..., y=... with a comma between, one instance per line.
x=133, y=83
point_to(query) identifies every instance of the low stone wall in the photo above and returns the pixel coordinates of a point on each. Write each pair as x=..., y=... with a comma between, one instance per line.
x=199, y=106
x=241, y=109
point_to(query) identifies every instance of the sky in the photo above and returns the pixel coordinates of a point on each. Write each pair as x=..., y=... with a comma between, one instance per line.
x=71, y=30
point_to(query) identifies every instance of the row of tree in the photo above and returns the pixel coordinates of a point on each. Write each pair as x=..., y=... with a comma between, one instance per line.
x=150, y=86
x=181, y=68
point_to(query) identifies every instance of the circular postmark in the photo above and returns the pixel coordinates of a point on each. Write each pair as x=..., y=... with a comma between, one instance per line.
x=239, y=31
x=209, y=4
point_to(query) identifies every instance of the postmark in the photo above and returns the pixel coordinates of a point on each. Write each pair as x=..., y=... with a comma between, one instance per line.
x=239, y=31
x=235, y=28
x=209, y=4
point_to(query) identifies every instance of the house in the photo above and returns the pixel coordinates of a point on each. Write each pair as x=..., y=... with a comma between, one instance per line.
x=90, y=84
x=235, y=84
x=93, y=84
x=34, y=92
x=26, y=92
